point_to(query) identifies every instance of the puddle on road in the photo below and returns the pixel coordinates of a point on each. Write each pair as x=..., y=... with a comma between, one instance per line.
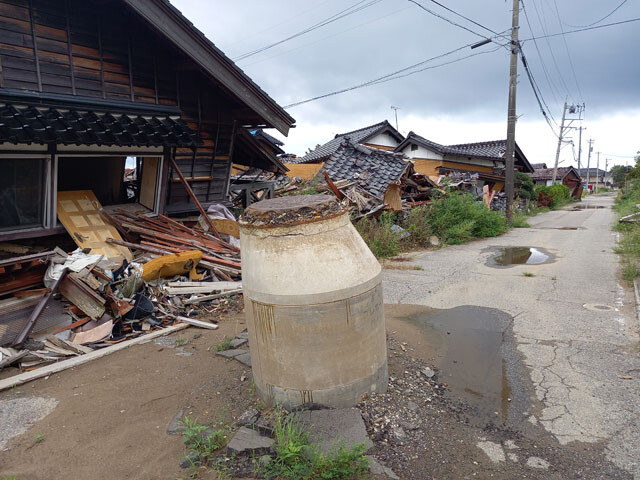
x=586, y=206
x=508, y=256
x=468, y=346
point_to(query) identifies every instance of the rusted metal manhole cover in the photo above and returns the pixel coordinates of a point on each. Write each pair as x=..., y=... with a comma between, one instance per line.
x=598, y=307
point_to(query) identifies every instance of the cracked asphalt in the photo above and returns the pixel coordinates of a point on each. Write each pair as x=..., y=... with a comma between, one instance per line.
x=575, y=325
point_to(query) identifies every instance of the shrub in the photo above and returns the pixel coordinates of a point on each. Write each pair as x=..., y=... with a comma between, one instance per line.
x=457, y=218
x=418, y=226
x=524, y=186
x=560, y=194
x=377, y=234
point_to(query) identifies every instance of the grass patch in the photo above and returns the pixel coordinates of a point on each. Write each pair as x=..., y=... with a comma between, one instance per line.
x=528, y=274
x=181, y=341
x=39, y=438
x=629, y=244
x=378, y=235
x=520, y=220
x=297, y=458
x=204, y=439
x=225, y=344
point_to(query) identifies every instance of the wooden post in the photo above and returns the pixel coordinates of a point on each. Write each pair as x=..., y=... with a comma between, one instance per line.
x=212, y=228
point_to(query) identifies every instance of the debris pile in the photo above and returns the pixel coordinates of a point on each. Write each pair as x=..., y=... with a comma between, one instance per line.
x=55, y=305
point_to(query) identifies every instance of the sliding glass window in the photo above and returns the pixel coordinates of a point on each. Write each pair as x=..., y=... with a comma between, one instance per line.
x=22, y=193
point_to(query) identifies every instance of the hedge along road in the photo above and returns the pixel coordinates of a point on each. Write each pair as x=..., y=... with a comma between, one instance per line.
x=574, y=323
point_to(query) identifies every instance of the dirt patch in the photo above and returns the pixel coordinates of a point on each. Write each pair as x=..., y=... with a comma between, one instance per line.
x=112, y=416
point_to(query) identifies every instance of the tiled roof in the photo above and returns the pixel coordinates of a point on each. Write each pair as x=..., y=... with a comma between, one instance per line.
x=547, y=173
x=372, y=168
x=43, y=125
x=592, y=172
x=273, y=142
x=357, y=136
x=493, y=150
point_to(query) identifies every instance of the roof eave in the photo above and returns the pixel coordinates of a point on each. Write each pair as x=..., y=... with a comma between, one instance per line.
x=172, y=24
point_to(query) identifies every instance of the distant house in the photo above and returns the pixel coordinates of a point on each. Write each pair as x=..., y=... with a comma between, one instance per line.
x=568, y=176
x=539, y=166
x=484, y=158
x=591, y=176
x=382, y=136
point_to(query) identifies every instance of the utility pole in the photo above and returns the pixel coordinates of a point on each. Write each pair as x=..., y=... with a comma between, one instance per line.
x=555, y=167
x=580, y=148
x=597, y=171
x=589, y=161
x=395, y=109
x=509, y=175
x=606, y=170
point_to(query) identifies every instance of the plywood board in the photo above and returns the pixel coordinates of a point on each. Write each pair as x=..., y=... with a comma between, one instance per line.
x=149, y=182
x=79, y=212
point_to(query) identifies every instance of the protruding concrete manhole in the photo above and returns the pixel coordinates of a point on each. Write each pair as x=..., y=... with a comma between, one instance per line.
x=509, y=256
x=598, y=307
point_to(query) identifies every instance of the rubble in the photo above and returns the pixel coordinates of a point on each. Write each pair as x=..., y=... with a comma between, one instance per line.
x=57, y=306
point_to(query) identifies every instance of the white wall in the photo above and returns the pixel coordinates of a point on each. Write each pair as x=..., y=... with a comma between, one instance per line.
x=421, y=152
x=383, y=139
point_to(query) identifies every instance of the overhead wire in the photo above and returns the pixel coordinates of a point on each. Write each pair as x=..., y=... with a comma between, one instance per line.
x=401, y=73
x=566, y=46
x=598, y=21
x=613, y=24
x=355, y=8
x=551, y=51
x=552, y=87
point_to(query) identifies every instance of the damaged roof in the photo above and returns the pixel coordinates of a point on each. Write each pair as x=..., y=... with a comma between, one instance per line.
x=372, y=168
x=43, y=125
x=493, y=150
x=358, y=136
x=547, y=173
x=273, y=142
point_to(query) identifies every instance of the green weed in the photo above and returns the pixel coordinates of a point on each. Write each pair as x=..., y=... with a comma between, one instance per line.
x=382, y=241
x=181, y=341
x=297, y=458
x=39, y=438
x=419, y=228
x=520, y=220
x=528, y=274
x=203, y=439
x=224, y=345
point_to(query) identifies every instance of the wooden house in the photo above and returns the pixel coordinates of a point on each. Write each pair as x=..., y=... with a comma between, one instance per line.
x=380, y=135
x=86, y=84
x=568, y=176
x=484, y=158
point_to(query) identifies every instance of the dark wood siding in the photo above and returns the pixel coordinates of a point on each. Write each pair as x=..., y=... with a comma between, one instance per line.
x=99, y=49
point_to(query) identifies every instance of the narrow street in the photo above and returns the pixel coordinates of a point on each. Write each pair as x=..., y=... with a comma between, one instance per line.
x=574, y=325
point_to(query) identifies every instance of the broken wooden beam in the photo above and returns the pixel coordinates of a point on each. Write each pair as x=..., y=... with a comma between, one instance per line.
x=196, y=323
x=191, y=301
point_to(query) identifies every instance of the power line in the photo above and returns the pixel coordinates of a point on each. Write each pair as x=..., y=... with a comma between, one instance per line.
x=442, y=17
x=622, y=22
x=566, y=46
x=537, y=93
x=356, y=7
x=466, y=18
x=403, y=72
x=552, y=86
x=598, y=21
x=553, y=56
x=384, y=16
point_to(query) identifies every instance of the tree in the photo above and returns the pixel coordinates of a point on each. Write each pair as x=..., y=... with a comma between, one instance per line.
x=524, y=186
x=618, y=174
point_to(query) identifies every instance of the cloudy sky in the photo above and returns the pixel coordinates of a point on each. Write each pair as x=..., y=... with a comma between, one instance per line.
x=462, y=101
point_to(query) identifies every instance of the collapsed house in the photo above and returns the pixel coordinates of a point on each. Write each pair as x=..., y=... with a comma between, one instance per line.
x=486, y=159
x=568, y=176
x=382, y=136
x=115, y=114
x=372, y=177
x=86, y=85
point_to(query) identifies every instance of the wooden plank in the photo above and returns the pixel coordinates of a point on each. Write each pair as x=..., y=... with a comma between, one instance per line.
x=149, y=182
x=197, y=323
x=82, y=359
x=206, y=298
x=13, y=359
x=72, y=290
x=79, y=212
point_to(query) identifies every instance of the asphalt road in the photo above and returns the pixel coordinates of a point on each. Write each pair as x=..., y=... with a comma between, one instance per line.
x=575, y=324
